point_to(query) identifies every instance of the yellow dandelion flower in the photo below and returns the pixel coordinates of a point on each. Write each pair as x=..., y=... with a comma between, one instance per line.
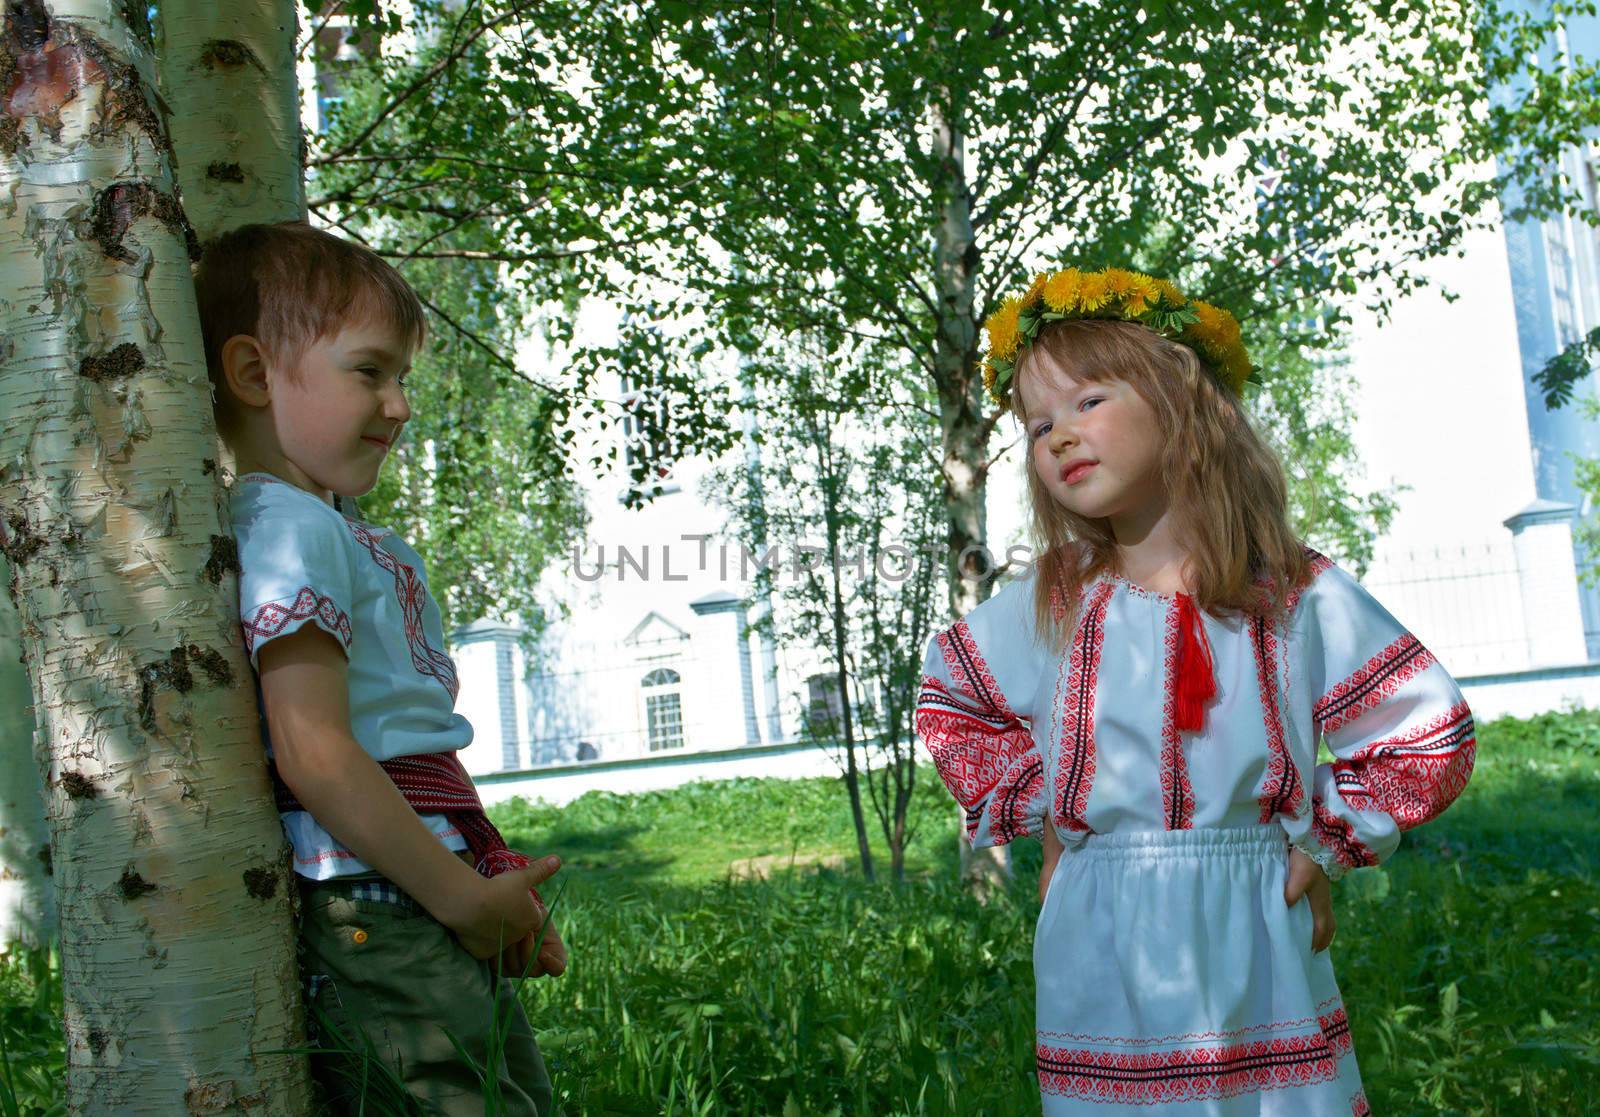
x=1093, y=292
x=1169, y=291
x=1227, y=329
x=1208, y=328
x=1061, y=290
x=1140, y=296
x=1002, y=329
x=988, y=378
x=1035, y=289
x=1118, y=282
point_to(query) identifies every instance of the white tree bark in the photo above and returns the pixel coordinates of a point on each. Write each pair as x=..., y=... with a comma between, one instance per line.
x=961, y=419
x=27, y=906
x=177, y=951
x=228, y=74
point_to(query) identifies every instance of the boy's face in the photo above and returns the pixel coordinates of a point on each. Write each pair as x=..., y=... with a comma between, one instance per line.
x=339, y=410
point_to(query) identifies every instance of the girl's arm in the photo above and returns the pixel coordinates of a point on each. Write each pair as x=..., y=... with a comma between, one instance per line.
x=974, y=712
x=305, y=694
x=1401, y=734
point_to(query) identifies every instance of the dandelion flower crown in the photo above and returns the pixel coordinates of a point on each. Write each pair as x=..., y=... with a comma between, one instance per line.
x=1118, y=295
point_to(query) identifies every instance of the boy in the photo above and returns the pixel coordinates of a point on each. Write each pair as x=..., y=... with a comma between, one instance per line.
x=308, y=341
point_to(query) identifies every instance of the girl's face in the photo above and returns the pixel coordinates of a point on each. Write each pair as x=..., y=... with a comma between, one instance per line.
x=1096, y=444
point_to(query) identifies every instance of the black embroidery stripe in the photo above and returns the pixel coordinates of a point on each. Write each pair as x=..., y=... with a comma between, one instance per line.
x=931, y=697
x=974, y=678
x=1229, y=1068
x=1269, y=696
x=1351, y=776
x=1455, y=734
x=1091, y=671
x=1333, y=706
x=1013, y=791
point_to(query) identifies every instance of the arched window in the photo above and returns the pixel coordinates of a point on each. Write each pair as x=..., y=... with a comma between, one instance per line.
x=663, y=709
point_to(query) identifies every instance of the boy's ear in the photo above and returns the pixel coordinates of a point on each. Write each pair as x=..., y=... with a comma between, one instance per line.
x=244, y=369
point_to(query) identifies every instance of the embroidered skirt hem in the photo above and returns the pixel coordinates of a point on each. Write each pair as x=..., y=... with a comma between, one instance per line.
x=1171, y=974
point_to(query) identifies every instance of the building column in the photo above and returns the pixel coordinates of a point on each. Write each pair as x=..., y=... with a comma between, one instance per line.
x=1541, y=537
x=723, y=602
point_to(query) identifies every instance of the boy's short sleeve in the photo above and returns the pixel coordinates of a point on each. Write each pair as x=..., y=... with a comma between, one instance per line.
x=294, y=570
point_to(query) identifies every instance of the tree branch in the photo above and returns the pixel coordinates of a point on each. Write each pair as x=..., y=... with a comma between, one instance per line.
x=451, y=56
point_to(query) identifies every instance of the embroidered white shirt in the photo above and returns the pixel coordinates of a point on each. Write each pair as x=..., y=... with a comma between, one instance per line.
x=1017, y=730
x=301, y=562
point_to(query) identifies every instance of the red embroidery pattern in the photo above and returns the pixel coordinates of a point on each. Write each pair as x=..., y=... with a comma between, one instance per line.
x=970, y=670
x=436, y=782
x=1075, y=766
x=1414, y=776
x=1359, y=1106
x=1177, y=795
x=1281, y=791
x=983, y=756
x=1014, y=807
x=1195, y=1073
x=271, y=619
x=1379, y=678
x=1334, y=833
x=1335, y=1027
x=1058, y=603
x=408, y=589
x=1320, y=563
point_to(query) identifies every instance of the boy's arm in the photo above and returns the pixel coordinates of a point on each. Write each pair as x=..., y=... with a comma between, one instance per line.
x=305, y=694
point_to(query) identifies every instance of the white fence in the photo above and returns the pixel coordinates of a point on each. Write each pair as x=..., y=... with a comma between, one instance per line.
x=1464, y=602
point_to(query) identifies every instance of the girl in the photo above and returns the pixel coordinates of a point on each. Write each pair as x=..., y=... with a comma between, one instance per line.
x=1149, y=701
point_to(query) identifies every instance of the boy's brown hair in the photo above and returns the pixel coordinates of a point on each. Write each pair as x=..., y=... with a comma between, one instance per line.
x=290, y=285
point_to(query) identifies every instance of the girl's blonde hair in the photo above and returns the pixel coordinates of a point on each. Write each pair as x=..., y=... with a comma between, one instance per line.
x=1226, y=486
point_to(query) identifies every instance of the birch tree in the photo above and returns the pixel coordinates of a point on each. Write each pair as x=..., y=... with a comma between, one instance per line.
x=888, y=172
x=27, y=909
x=227, y=72
x=178, y=970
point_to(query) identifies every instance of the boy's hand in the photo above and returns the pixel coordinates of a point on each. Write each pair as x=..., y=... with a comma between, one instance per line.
x=518, y=960
x=503, y=911
x=1306, y=878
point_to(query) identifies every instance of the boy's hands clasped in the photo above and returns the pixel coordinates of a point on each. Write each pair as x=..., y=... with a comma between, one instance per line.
x=503, y=911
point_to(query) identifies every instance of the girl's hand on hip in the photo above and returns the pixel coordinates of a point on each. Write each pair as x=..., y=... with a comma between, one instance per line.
x=1306, y=878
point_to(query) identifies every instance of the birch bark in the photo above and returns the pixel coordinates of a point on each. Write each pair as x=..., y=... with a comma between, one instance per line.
x=27, y=908
x=177, y=953
x=961, y=420
x=228, y=73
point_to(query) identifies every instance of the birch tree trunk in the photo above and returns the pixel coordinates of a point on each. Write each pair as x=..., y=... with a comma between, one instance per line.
x=227, y=71
x=27, y=908
x=962, y=422
x=177, y=951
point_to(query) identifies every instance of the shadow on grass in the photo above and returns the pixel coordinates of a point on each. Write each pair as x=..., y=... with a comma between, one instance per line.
x=598, y=851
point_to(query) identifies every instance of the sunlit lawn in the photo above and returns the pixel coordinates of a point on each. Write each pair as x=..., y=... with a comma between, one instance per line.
x=1468, y=962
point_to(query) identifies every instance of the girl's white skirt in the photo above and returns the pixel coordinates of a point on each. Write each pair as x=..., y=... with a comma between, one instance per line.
x=1171, y=974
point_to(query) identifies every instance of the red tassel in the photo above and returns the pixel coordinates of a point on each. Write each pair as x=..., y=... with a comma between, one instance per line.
x=1194, y=684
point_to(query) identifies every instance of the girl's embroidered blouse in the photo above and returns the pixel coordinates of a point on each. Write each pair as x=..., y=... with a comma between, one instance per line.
x=1016, y=729
x=301, y=562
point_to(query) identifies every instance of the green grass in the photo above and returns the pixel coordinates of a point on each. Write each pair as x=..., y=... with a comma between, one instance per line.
x=1468, y=962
